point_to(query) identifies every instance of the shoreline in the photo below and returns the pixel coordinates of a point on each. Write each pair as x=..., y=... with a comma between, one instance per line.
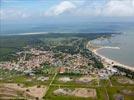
x=27, y=33
x=107, y=62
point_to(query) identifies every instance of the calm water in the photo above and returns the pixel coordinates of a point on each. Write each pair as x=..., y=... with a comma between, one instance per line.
x=125, y=41
x=83, y=27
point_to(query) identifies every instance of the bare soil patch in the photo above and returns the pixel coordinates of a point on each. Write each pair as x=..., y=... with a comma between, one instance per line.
x=125, y=80
x=14, y=89
x=84, y=92
x=65, y=79
x=127, y=92
x=85, y=79
x=78, y=92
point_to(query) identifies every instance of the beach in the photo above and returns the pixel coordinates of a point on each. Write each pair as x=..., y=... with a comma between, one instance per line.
x=107, y=62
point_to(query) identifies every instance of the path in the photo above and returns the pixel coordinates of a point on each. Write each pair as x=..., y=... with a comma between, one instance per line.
x=50, y=83
x=106, y=93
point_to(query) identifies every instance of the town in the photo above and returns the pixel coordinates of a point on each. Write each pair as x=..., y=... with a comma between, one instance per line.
x=74, y=64
x=42, y=65
x=58, y=66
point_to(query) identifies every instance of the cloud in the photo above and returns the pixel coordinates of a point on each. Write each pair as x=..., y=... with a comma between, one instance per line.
x=119, y=8
x=88, y=8
x=112, y=8
x=64, y=6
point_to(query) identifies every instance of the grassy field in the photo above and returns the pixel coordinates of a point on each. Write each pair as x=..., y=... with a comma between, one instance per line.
x=19, y=78
x=104, y=90
x=104, y=82
x=74, y=81
x=117, y=90
x=51, y=96
x=115, y=82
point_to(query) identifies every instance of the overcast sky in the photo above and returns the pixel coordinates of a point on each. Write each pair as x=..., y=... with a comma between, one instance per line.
x=26, y=10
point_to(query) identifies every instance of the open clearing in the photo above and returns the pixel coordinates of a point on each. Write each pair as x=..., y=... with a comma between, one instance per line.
x=125, y=81
x=12, y=90
x=65, y=79
x=85, y=79
x=67, y=87
x=78, y=92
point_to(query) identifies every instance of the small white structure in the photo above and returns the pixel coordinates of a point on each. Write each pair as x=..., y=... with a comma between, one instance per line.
x=43, y=78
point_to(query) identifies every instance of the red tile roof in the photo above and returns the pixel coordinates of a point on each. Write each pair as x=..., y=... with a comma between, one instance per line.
x=61, y=70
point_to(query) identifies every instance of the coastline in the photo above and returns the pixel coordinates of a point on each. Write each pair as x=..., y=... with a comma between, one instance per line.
x=29, y=33
x=107, y=62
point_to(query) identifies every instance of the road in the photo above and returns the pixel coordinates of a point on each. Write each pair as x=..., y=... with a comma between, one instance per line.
x=50, y=83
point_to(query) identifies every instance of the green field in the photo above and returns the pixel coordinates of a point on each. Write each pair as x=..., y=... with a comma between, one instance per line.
x=117, y=90
x=104, y=90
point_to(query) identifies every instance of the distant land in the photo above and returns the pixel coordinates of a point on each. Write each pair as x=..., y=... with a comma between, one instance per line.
x=80, y=27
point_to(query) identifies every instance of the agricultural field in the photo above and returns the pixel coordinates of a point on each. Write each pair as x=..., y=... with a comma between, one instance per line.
x=121, y=81
x=64, y=86
x=103, y=91
x=76, y=80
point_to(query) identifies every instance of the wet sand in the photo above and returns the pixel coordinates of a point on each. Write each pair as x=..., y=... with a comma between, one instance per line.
x=106, y=61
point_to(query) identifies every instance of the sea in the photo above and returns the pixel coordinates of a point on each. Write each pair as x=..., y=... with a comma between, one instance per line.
x=125, y=40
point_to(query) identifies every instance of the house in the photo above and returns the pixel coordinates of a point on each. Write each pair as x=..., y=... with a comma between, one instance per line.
x=62, y=70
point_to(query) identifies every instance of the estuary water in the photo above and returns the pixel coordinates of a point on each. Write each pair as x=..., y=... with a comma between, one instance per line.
x=125, y=42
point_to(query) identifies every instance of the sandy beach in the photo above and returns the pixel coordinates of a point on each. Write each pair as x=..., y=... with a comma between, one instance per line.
x=106, y=61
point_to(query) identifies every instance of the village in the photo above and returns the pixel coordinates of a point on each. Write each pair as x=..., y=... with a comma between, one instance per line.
x=58, y=72
x=67, y=63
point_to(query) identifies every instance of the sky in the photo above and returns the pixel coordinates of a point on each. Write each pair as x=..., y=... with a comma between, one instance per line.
x=24, y=9
x=25, y=12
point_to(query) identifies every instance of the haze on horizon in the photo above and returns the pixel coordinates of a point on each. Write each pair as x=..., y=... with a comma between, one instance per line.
x=22, y=13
